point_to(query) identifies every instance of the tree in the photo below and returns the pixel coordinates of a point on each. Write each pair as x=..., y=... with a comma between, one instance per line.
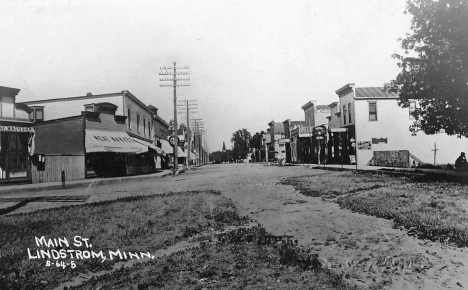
x=171, y=124
x=257, y=140
x=434, y=70
x=182, y=126
x=240, y=140
x=224, y=147
x=221, y=156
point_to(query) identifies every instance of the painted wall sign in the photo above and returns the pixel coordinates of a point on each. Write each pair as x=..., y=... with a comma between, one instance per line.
x=364, y=145
x=379, y=140
x=393, y=158
x=16, y=129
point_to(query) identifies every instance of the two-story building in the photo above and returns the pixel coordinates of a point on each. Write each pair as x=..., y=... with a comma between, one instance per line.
x=377, y=131
x=16, y=138
x=337, y=137
x=305, y=146
x=276, y=144
x=160, y=134
x=291, y=144
x=138, y=124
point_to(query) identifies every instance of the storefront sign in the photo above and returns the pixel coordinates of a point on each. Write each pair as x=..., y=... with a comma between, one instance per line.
x=337, y=130
x=112, y=138
x=364, y=145
x=16, y=129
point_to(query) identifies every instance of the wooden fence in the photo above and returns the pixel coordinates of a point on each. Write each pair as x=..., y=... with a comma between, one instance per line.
x=73, y=165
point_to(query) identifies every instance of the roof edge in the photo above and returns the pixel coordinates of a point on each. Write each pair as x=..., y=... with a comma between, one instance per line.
x=347, y=86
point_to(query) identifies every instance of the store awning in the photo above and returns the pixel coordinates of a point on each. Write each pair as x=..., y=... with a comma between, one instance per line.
x=166, y=147
x=169, y=150
x=151, y=146
x=108, y=141
x=192, y=155
x=180, y=152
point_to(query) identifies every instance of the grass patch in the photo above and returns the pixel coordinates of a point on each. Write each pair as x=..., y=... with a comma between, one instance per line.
x=335, y=183
x=427, y=208
x=426, y=211
x=240, y=259
x=132, y=224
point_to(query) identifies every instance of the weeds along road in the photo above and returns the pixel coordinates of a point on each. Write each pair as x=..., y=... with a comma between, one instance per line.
x=367, y=250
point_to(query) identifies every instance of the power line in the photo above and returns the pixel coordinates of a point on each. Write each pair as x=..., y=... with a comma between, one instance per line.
x=167, y=71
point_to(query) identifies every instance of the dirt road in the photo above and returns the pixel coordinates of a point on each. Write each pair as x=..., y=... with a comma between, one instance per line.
x=367, y=250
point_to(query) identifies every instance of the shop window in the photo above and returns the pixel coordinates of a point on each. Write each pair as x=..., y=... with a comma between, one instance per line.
x=412, y=108
x=372, y=111
x=17, y=152
x=138, y=122
x=344, y=114
x=349, y=112
x=149, y=129
x=129, y=118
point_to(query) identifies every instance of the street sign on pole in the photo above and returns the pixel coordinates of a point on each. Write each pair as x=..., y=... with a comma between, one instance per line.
x=171, y=141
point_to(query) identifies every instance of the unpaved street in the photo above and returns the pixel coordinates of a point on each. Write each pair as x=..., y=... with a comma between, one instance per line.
x=367, y=250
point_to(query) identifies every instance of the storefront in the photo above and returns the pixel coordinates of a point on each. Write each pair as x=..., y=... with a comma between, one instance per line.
x=16, y=137
x=114, y=153
x=15, y=142
x=341, y=145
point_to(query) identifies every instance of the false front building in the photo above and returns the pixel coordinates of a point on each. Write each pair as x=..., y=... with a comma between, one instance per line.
x=374, y=129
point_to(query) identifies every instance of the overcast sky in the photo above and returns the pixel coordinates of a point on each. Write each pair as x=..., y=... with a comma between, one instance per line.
x=251, y=61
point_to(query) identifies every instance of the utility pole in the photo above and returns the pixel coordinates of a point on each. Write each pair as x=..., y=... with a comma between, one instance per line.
x=166, y=70
x=197, y=126
x=435, y=152
x=188, y=104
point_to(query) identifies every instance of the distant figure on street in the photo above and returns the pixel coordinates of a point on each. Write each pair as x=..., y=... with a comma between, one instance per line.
x=461, y=164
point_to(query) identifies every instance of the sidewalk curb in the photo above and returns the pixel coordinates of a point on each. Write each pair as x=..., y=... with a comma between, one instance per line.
x=80, y=183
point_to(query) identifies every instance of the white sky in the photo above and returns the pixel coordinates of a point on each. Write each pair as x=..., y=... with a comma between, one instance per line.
x=251, y=61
